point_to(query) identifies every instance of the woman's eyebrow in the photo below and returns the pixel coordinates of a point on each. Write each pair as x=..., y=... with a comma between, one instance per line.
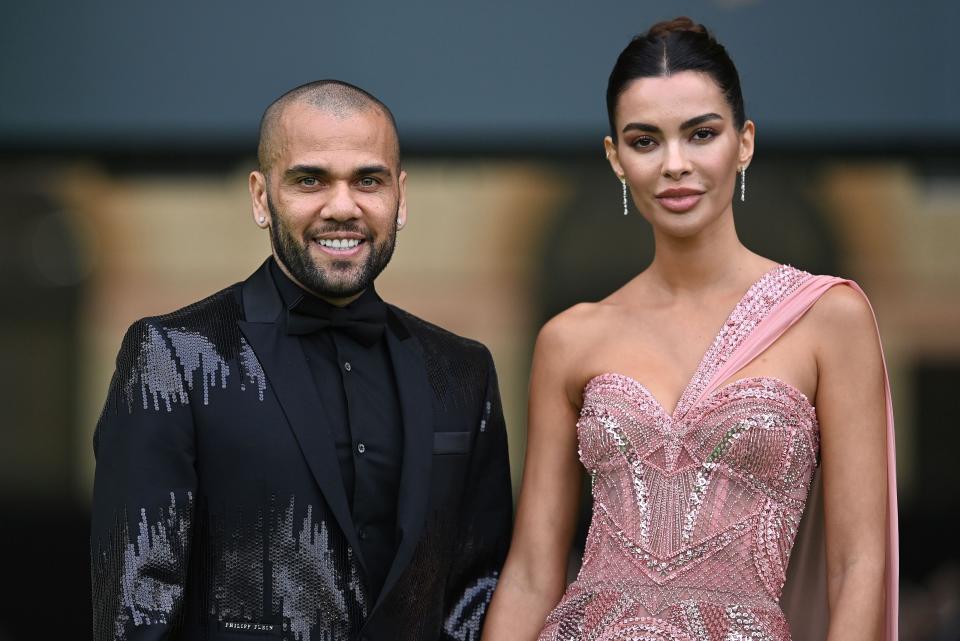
x=686, y=124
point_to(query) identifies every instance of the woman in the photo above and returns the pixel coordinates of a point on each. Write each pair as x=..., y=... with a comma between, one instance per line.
x=703, y=445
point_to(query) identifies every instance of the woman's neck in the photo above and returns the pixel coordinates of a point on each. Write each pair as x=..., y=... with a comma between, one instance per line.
x=712, y=258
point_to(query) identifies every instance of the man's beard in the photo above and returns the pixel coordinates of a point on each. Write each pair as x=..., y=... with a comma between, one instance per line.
x=343, y=278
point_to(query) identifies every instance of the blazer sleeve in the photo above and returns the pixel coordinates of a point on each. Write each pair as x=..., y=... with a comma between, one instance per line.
x=487, y=519
x=144, y=492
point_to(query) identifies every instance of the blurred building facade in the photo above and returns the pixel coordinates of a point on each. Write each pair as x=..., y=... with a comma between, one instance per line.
x=494, y=247
x=125, y=151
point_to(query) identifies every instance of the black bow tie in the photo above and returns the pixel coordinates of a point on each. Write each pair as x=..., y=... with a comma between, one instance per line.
x=364, y=323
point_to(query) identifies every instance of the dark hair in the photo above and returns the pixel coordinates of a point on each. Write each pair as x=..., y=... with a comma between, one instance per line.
x=667, y=48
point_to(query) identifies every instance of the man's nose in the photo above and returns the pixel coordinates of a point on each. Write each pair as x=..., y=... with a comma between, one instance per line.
x=341, y=203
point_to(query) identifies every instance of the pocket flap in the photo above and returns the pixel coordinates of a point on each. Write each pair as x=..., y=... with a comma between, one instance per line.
x=451, y=442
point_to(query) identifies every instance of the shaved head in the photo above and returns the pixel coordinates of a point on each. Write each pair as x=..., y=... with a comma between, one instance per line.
x=335, y=97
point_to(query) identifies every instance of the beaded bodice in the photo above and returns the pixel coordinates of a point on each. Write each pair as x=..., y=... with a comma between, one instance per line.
x=694, y=512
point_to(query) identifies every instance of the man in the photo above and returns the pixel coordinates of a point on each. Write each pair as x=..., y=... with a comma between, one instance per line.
x=291, y=457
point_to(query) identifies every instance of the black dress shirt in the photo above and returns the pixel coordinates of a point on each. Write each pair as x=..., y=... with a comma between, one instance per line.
x=357, y=388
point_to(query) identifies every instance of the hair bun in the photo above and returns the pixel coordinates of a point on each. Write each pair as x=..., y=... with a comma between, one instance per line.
x=677, y=25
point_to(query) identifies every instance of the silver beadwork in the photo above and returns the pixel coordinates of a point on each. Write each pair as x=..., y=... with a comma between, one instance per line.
x=623, y=181
x=743, y=184
x=695, y=509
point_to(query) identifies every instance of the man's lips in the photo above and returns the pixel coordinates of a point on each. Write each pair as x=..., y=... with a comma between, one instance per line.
x=340, y=244
x=679, y=199
x=334, y=235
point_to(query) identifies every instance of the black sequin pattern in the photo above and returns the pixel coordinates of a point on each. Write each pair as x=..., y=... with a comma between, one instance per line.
x=197, y=523
x=164, y=358
x=138, y=576
x=456, y=366
x=451, y=568
x=280, y=564
x=464, y=544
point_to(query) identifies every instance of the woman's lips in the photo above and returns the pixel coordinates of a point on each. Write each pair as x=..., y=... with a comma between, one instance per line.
x=679, y=200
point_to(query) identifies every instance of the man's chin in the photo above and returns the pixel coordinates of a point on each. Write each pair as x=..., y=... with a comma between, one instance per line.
x=342, y=285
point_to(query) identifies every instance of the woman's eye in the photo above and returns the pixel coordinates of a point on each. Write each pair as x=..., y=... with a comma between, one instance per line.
x=704, y=134
x=643, y=142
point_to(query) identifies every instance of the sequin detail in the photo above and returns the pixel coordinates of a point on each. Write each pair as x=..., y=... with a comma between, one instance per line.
x=138, y=580
x=315, y=588
x=253, y=372
x=466, y=615
x=695, y=512
x=165, y=359
x=265, y=549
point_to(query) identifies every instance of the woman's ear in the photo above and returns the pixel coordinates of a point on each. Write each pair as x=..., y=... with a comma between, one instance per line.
x=747, y=137
x=613, y=158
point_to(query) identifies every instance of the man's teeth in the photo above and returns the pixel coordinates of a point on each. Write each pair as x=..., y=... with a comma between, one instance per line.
x=340, y=243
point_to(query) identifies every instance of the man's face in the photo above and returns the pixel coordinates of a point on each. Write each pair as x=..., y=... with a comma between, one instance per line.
x=333, y=199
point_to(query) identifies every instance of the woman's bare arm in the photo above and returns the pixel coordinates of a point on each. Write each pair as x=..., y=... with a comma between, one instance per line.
x=851, y=408
x=534, y=575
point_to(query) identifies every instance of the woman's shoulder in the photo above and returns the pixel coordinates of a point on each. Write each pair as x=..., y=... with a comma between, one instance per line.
x=842, y=303
x=584, y=319
x=575, y=331
x=842, y=316
x=586, y=322
x=573, y=323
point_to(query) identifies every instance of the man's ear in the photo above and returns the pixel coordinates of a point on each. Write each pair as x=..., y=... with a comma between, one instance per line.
x=402, y=203
x=258, y=198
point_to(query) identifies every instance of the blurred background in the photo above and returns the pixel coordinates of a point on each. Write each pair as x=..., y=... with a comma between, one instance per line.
x=127, y=131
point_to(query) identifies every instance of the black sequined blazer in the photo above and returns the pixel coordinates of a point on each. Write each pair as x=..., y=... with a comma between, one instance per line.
x=219, y=511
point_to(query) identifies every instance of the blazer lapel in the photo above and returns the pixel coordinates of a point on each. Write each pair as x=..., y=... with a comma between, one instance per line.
x=417, y=413
x=286, y=368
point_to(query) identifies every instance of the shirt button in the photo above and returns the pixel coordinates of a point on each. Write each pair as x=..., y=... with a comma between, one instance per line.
x=347, y=366
x=361, y=448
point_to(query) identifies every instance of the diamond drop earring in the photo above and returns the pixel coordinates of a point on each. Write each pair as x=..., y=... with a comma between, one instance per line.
x=743, y=184
x=623, y=181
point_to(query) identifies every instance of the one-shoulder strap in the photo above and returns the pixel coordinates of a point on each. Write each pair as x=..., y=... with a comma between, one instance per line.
x=779, y=320
x=806, y=585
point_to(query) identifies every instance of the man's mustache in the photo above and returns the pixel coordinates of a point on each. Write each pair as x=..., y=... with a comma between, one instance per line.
x=346, y=227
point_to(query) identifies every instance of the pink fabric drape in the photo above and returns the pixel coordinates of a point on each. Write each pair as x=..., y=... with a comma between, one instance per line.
x=805, y=594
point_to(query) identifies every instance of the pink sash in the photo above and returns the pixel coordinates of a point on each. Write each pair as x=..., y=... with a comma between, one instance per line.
x=804, y=597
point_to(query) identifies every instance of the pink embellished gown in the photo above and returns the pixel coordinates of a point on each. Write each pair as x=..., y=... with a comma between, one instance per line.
x=696, y=512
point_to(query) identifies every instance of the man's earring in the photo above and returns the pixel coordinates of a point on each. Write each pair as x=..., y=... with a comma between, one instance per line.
x=743, y=184
x=262, y=220
x=623, y=181
x=399, y=223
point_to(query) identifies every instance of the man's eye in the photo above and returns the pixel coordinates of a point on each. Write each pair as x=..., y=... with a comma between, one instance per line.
x=309, y=181
x=368, y=181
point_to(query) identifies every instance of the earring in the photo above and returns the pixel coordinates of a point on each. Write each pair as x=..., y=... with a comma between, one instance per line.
x=262, y=220
x=399, y=223
x=743, y=184
x=623, y=181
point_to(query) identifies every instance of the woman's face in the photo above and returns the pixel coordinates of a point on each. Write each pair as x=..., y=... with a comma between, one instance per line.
x=680, y=150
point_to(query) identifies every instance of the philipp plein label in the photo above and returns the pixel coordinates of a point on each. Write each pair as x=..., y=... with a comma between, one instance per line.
x=249, y=627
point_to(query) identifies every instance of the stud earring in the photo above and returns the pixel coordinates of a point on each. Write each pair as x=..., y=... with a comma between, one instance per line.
x=399, y=223
x=262, y=220
x=743, y=184
x=623, y=181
